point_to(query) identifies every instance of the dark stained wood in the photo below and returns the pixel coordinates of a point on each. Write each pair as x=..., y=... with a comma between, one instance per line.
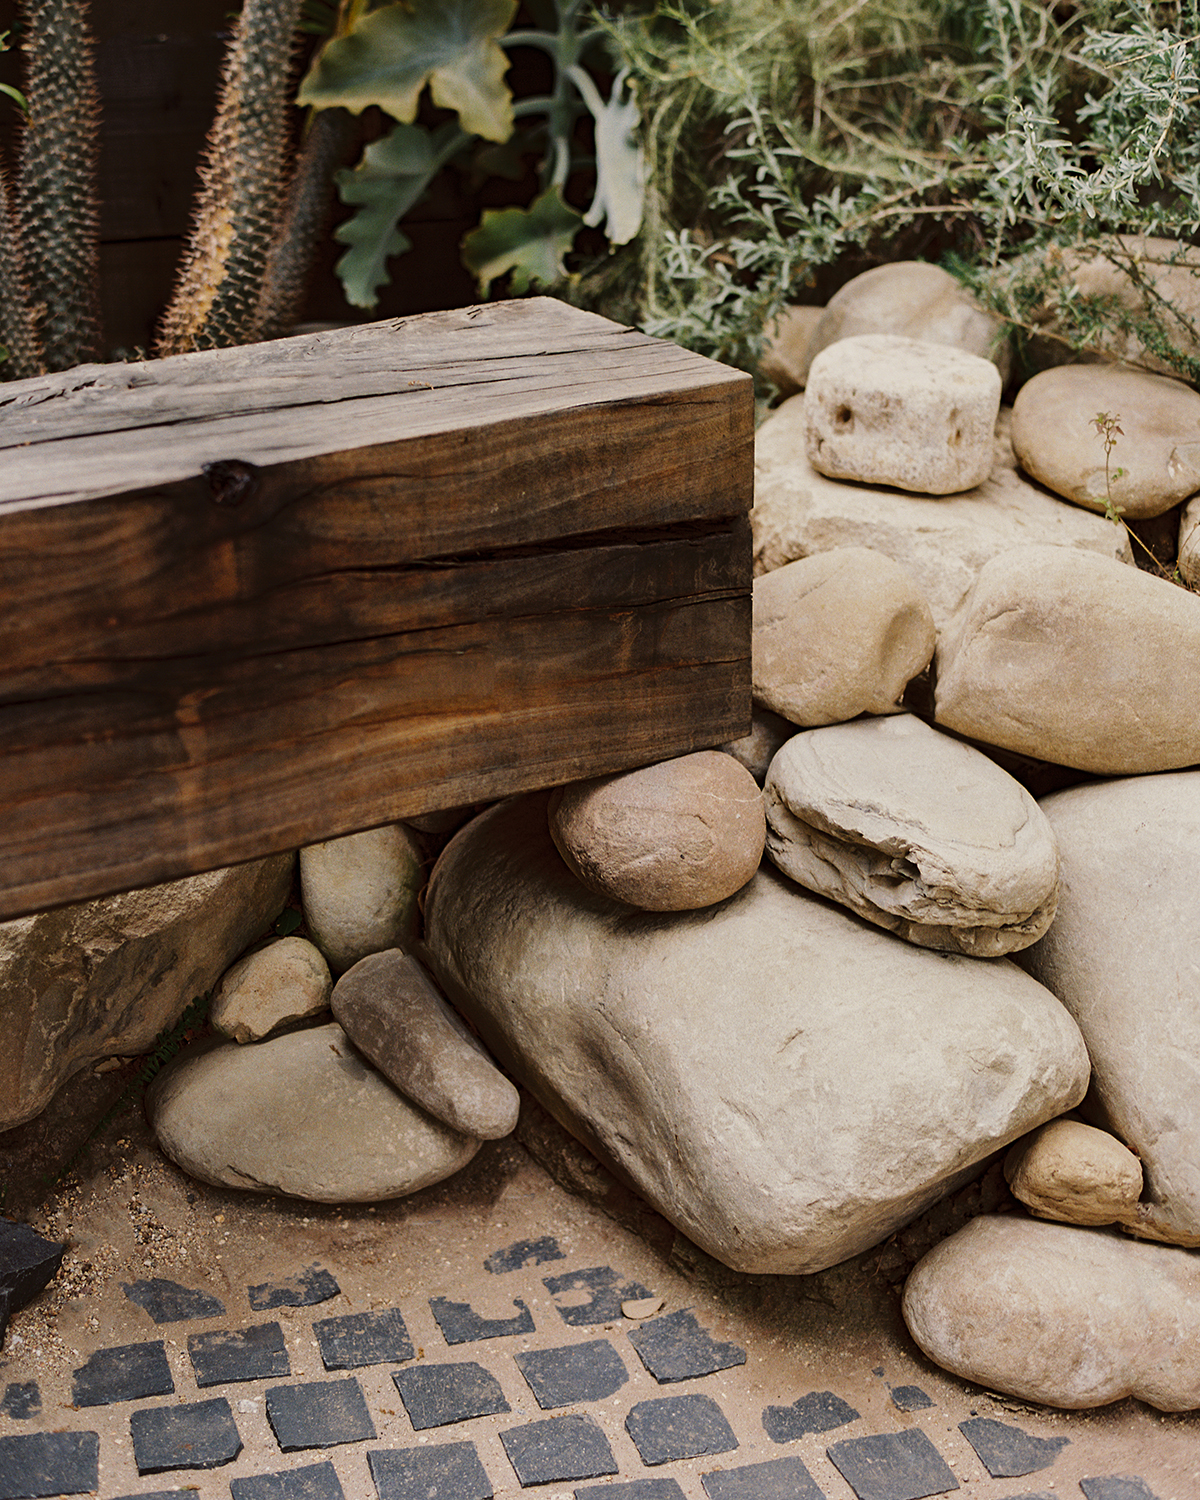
x=438, y=561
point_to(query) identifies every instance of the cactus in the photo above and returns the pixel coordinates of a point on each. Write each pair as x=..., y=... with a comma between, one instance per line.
x=217, y=298
x=22, y=352
x=56, y=215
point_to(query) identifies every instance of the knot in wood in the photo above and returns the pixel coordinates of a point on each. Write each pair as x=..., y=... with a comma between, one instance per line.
x=232, y=481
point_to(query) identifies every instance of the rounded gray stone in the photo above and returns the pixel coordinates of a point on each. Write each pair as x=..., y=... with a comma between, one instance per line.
x=360, y=892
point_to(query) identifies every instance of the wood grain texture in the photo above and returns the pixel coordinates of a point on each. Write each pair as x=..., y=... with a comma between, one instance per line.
x=487, y=551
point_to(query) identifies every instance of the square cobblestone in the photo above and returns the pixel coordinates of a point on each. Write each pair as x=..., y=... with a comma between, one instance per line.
x=198, y=1435
x=168, y=1302
x=36, y=1464
x=573, y=1373
x=605, y=1290
x=314, y=1482
x=558, y=1450
x=231, y=1355
x=320, y=1414
x=451, y=1471
x=128, y=1372
x=22, y=1399
x=667, y=1428
x=819, y=1411
x=659, y=1488
x=1117, y=1487
x=436, y=1395
x=777, y=1479
x=461, y=1324
x=675, y=1347
x=523, y=1253
x=1008, y=1453
x=360, y=1339
x=305, y=1289
x=892, y=1466
x=910, y=1398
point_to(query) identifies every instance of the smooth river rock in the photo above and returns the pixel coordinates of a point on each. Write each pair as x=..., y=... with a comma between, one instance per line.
x=838, y=635
x=673, y=836
x=102, y=978
x=394, y=1014
x=1077, y=660
x=360, y=892
x=287, y=980
x=782, y=1082
x=1122, y=957
x=301, y=1115
x=1072, y=1172
x=1066, y=1316
x=914, y=831
x=898, y=411
x=942, y=543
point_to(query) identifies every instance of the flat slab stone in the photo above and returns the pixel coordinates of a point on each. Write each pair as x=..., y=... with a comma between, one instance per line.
x=1005, y=1451
x=313, y=1482
x=777, y=1479
x=636, y=1489
x=319, y=1414
x=21, y=1399
x=591, y=1296
x=367, y=1338
x=461, y=1324
x=522, y=1253
x=305, y=1289
x=676, y=1347
x=197, y=1435
x=910, y=1398
x=819, y=1411
x=128, y=1372
x=436, y=1395
x=37, y=1464
x=574, y=1373
x=1117, y=1487
x=893, y=1466
x=451, y=1471
x=27, y=1262
x=168, y=1302
x=667, y=1428
x=229, y=1355
x=558, y=1449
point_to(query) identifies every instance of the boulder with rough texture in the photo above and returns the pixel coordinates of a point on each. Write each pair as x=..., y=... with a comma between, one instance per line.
x=1074, y=659
x=1054, y=1313
x=394, y=1014
x=1073, y=1172
x=1155, y=462
x=674, y=836
x=286, y=981
x=787, y=348
x=1121, y=956
x=915, y=300
x=103, y=978
x=360, y=893
x=942, y=543
x=783, y=1083
x=1188, y=560
x=838, y=635
x=914, y=831
x=757, y=749
x=302, y=1115
x=901, y=412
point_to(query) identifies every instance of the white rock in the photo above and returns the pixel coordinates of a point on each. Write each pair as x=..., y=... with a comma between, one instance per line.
x=942, y=543
x=1074, y=659
x=281, y=983
x=1122, y=958
x=360, y=893
x=914, y=831
x=302, y=1115
x=784, y=1084
x=1072, y=1172
x=838, y=635
x=897, y=411
x=1155, y=462
x=1066, y=1316
x=916, y=300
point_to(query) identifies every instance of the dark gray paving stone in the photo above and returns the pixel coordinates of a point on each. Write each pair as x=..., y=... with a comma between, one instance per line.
x=314, y=1482
x=27, y=1262
x=892, y=1466
x=677, y=1348
x=168, y=1302
x=635, y=1489
x=198, y=1435
x=1035, y=1495
x=605, y=1290
x=21, y=1399
x=1005, y=1451
x=305, y=1289
x=230, y=1355
x=319, y=1414
x=451, y=1471
x=910, y=1398
x=669, y=1427
x=436, y=1395
x=49, y=1463
x=128, y=1372
x=819, y=1411
x=1117, y=1487
x=461, y=1324
x=359, y=1339
x=574, y=1373
x=777, y=1479
x=558, y=1449
x=523, y=1253
x=158, y=1495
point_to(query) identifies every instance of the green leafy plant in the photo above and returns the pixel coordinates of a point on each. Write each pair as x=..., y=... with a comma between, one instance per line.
x=1108, y=429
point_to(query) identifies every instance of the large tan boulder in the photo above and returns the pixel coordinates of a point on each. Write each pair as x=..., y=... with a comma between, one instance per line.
x=103, y=978
x=783, y=1083
x=1074, y=659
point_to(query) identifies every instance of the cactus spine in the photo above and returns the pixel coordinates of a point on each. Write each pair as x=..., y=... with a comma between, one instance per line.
x=56, y=213
x=217, y=299
x=18, y=332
